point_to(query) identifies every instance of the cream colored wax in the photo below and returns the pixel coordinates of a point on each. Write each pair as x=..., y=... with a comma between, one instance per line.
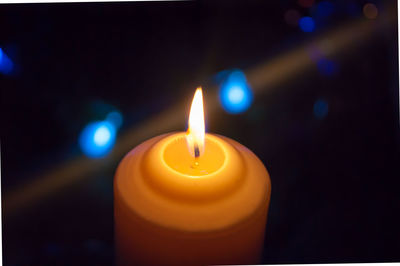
x=173, y=209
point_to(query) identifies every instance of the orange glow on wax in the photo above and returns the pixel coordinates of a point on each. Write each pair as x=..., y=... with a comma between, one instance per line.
x=177, y=202
x=196, y=130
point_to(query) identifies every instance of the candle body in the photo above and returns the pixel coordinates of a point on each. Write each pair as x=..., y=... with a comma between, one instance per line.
x=166, y=214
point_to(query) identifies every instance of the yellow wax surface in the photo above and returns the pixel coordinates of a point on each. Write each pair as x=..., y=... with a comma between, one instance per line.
x=173, y=172
x=173, y=209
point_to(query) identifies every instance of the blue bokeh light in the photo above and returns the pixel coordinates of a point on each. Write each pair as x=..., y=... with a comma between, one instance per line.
x=327, y=67
x=101, y=136
x=115, y=118
x=325, y=9
x=235, y=94
x=321, y=109
x=307, y=24
x=6, y=65
x=97, y=139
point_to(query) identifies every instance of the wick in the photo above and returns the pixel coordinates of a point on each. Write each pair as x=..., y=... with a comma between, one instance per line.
x=196, y=151
x=196, y=156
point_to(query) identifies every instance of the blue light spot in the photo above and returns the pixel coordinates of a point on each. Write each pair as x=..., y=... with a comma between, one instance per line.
x=6, y=65
x=307, y=24
x=235, y=94
x=97, y=139
x=115, y=118
x=325, y=9
x=320, y=109
x=101, y=136
x=327, y=67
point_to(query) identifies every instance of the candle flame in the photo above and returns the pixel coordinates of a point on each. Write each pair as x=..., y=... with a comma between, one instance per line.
x=196, y=130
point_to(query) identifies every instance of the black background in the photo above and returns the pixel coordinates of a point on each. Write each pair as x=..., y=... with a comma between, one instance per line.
x=335, y=179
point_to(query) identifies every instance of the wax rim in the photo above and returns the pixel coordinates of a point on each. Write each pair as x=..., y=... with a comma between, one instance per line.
x=138, y=201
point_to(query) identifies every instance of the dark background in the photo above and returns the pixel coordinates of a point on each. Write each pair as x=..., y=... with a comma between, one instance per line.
x=335, y=175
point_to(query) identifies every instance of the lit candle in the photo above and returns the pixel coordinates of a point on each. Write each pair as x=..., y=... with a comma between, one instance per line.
x=190, y=198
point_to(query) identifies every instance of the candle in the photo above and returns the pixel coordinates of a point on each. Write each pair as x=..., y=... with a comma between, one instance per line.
x=190, y=198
